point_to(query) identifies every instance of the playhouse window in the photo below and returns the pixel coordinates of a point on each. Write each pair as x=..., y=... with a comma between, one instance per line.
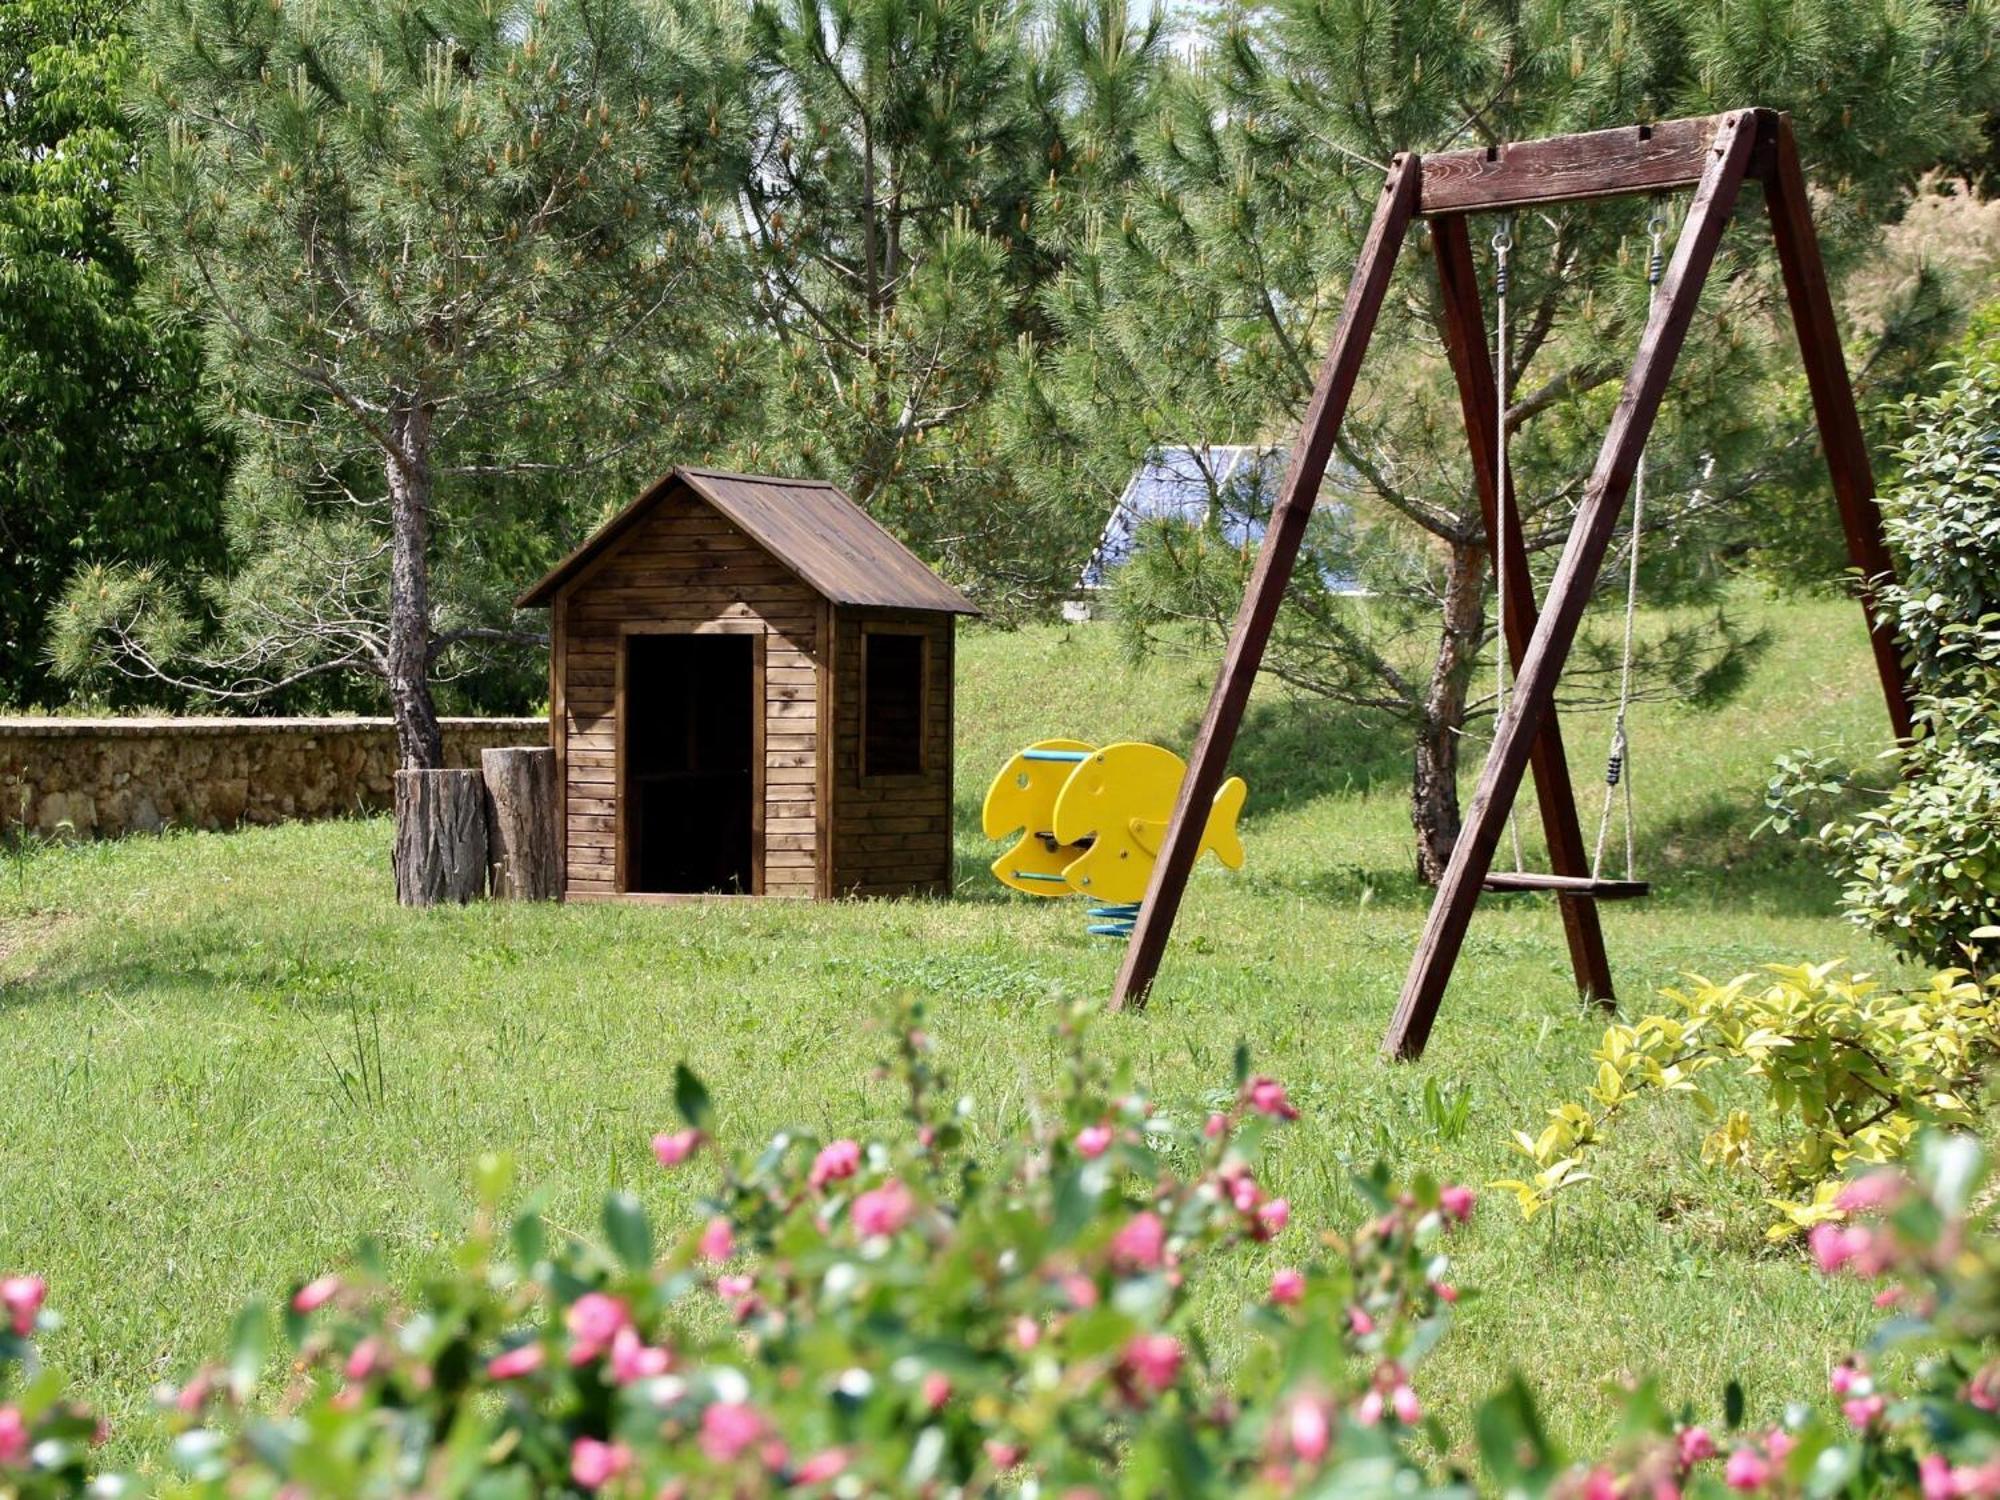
x=892, y=703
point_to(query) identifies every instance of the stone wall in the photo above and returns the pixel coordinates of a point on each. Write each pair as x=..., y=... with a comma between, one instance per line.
x=101, y=777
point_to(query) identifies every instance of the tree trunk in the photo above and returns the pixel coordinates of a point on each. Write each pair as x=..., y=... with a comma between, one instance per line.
x=440, y=837
x=521, y=822
x=1434, y=812
x=419, y=740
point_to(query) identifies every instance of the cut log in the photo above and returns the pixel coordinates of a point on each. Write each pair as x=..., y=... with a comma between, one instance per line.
x=521, y=822
x=440, y=837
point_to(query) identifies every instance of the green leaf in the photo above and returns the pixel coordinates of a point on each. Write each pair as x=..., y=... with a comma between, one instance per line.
x=1732, y=1405
x=691, y=1098
x=627, y=1230
x=1513, y=1443
x=249, y=1339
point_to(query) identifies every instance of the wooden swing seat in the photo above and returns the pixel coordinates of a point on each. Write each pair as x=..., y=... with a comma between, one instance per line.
x=1511, y=881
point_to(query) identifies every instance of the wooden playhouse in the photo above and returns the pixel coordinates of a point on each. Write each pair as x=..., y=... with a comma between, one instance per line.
x=750, y=683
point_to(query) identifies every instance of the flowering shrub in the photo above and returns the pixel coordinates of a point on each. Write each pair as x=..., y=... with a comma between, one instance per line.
x=1933, y=1432
x=1848, y=1070
x=45, y=1441
x=894, y=1318
x=869, y=1318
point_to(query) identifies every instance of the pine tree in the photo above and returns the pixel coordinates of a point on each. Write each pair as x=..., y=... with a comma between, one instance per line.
x=1200, y=317
x=903, y=213
x=444, y=258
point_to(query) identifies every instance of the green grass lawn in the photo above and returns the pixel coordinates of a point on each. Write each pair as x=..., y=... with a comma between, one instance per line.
x=223, y=1057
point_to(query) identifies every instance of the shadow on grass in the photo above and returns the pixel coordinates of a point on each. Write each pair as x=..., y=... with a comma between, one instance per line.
x=1296, y=752
x=1709, y=856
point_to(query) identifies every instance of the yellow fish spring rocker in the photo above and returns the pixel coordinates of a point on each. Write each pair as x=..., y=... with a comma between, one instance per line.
x=1091, y=822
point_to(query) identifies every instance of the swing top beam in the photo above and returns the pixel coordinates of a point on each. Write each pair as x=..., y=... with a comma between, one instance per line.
x=1621, y=163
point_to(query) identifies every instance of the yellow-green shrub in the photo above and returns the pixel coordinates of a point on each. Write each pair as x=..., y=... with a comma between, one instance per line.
x=1847, y=1068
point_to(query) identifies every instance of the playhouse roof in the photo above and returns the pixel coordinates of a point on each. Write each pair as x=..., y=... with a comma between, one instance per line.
x=807, y=524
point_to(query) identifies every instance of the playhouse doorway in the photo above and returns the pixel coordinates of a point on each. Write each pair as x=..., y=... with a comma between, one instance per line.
x=691, y=714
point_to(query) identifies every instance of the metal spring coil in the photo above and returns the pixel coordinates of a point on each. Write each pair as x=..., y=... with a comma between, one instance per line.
x=1113, y=918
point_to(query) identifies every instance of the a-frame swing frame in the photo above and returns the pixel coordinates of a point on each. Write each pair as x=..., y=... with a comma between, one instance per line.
x=1713, y=154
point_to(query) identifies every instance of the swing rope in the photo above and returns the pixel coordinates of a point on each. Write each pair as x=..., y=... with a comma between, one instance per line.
x=1503, y=243
x=1617, y=770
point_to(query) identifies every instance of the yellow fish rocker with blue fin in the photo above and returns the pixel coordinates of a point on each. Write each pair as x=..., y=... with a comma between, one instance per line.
x=1093, y=820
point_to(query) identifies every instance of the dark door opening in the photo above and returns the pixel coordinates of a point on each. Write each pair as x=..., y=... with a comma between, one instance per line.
x=690, y=737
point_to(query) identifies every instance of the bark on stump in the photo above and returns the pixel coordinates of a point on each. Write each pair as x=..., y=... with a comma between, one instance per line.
x=440, y=837
x=521, y=822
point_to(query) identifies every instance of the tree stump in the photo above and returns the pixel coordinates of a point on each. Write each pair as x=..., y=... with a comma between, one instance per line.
x=521, y=822
x=440, y=837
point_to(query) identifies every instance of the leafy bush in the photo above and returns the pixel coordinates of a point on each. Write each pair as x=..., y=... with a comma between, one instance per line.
x=1922, y=867
x=1848, y=1071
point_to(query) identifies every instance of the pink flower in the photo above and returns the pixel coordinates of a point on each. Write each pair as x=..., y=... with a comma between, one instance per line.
x=13, y=1435
x=728, y=1430
x=315, y=1294
x=1027, y=1332
x=1861, y=1411
x=594, y=1320
x=718, y=1240
x=1081, y=1291
x=1828, y=1244
x=368, y=1357
x=1403, y=1401
x=1456, y=1201
x=1865, y=1194
x=836, y=1160
x=1274, y=1216
x=515, y=1363
x=1889, y=1296
x=1747, y=1469
x=1695, y=1445
x=632, y=1358
x=1003, y=1455
x=593, y=1463
x=1359, y=1321
x=1153, y=1360
x=885, y=1209
x=1600, y=1484
x=1287, y=1287
x=822, y=1466
x=1141, y=1244
x=1445, y=1291
x=1934, y=1474
x=1215, y=1127
x=1093, y=1141
x=936, y=1390
x=676, y=1148
x=21, y=1297
x=1267, y=1096
x=1310, y=1429
x=1778, y=1443
x=1243, y=1189
x=1845, y=1377
x=1368, y=1410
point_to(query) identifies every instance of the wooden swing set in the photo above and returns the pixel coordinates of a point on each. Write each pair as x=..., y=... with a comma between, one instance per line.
x=1713, y=154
